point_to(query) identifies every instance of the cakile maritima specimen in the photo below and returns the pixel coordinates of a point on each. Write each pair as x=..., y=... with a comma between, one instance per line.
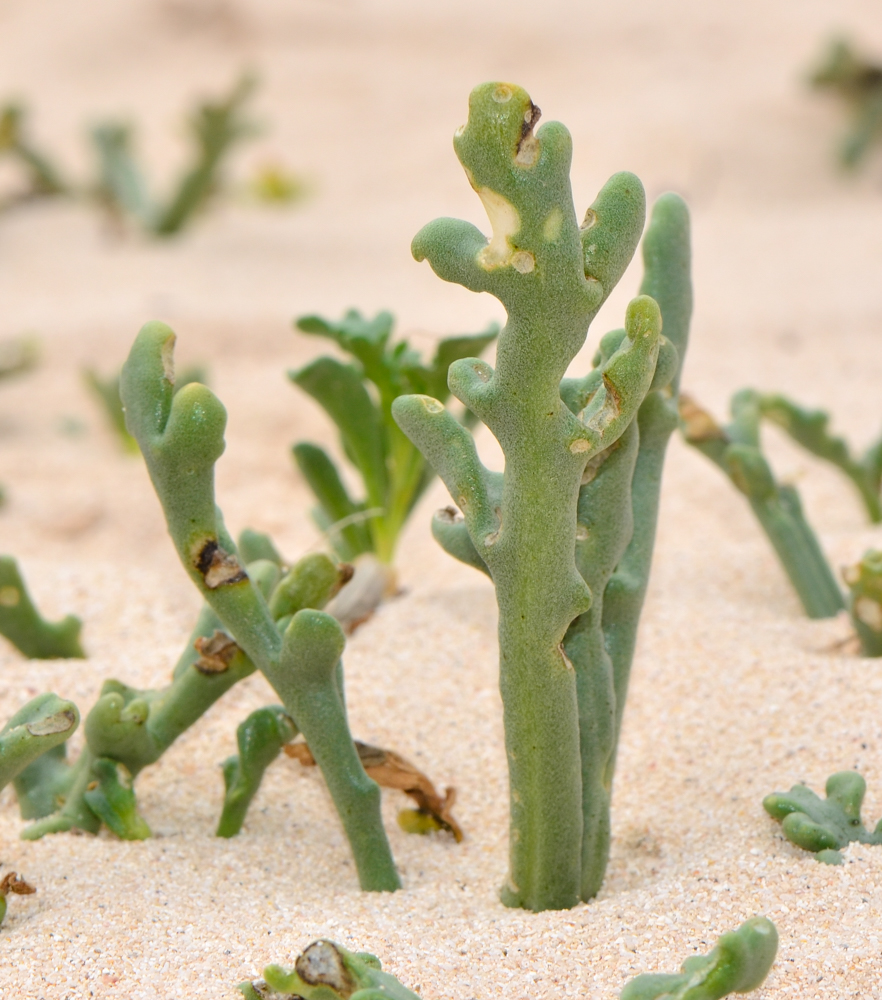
x=566, y=531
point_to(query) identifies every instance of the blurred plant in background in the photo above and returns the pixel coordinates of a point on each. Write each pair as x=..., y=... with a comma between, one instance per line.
x=858, y=81
x=216, y=128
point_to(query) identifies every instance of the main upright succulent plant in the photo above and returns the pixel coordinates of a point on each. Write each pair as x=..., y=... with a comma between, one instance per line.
x=566, y=531
x=358, y=397
x=298, y=651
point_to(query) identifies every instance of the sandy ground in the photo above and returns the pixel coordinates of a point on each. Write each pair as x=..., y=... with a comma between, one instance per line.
x=734, y=693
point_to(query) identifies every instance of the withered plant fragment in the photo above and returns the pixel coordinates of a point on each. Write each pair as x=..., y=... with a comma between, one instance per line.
x=390, y=770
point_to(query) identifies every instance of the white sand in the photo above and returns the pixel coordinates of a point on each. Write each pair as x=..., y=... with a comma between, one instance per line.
x=734, y=693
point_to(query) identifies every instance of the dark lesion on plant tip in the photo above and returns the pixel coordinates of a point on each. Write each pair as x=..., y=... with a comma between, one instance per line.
x=390, y=770
x=528, y=145
x=218, y=568
x=215, y=653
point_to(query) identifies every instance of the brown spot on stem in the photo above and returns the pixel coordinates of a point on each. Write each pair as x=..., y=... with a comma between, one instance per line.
x=528, y=145
x=215, y=653
x=218, y=568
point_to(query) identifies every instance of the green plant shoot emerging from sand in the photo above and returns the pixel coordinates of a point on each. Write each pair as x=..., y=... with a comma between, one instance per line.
x=566, y=532
x=824, y=826
x=737, y=450
x=393, y=471
x=738, y=964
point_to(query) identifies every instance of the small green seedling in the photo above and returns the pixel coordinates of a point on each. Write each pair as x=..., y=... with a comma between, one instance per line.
x=181, y=436
x=358, y=397
x=327, y=971
x=739, y=963
x=260, y=737
x=824, y=826
x=858, y=81
x=11, y=883
x=106, y=392
x=864, y=582
x=22, y=624
x=566, y=531
x=809, y=428
x=737, y=450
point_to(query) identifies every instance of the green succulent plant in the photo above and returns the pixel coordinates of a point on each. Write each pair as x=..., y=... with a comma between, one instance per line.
x=736, y=449
x=42, y=176
x=566, y=531
x=42, y=725
x=809, y=428
x=739, y=963
x=23, y=625
x=253, y=620
x=327, y=971
x=824, y=826
x=215, y=128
